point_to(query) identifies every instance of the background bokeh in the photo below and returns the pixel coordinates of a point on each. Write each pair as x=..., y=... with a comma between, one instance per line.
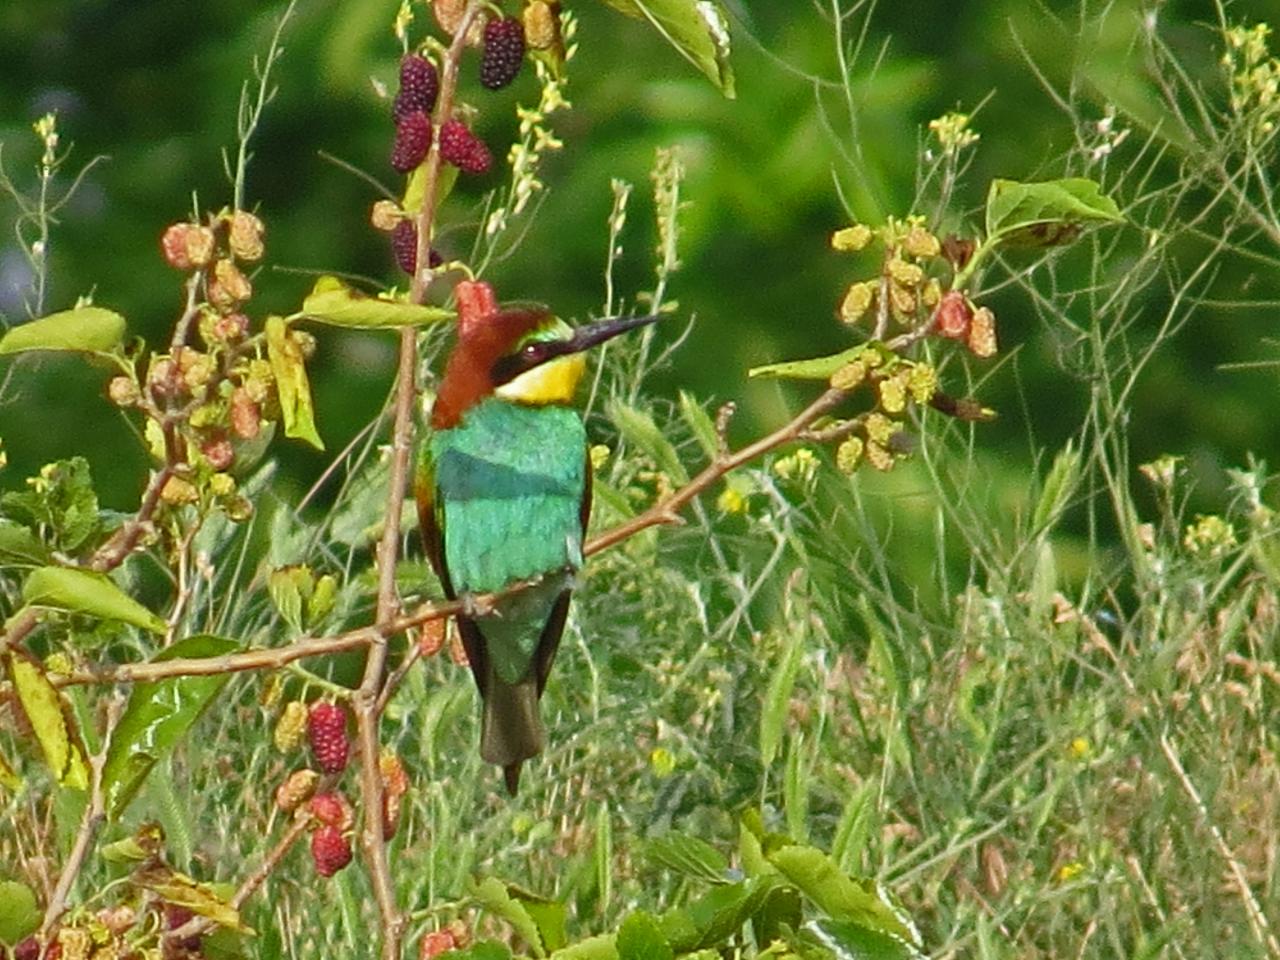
x=153, y=86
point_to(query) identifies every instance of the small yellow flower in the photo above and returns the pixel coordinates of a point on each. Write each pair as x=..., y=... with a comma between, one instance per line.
x=731, y=501
x=851, y=239
x=1080, y=749
x=1069, y=871
x=662, y=762
x=599, y=456
x=849, y=454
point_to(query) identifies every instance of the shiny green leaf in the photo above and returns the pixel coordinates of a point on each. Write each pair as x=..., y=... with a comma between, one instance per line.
x=819, y=368
x=603, y=947
x=333, y=302
x=549, y=915
x=494, y=897
x=840, y=896
x=779, y=914
x=292, y=386
x=20, y=547
x=89, y=592
x=84, y=330
x=639, y=429
x=1046, y=214
x=51, y=722
x=481, y=950
x=698, y=29
x=716, y=915
x=19, y=914
x=689, y=856
x=640, y=938
x=157, y=717
x=848, y=939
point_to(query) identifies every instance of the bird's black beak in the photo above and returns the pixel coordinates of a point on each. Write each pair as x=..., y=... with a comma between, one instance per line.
x=538, y=352
x=594, y=334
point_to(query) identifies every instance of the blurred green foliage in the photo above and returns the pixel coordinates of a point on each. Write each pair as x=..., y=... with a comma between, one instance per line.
x=153, y=87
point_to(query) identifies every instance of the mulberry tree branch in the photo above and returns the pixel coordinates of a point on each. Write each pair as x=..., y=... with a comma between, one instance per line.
x=366, y=701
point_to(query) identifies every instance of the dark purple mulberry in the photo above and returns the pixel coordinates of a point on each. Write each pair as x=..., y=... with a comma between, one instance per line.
x=419, y=87
x=413, y=140
x=464, y=149
x=404, y=243
x=503, y=52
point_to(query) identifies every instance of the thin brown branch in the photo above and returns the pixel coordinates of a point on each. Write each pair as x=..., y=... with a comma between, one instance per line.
x=367, y=698
x=94, y=814
x=198, y=925
x=668, y=510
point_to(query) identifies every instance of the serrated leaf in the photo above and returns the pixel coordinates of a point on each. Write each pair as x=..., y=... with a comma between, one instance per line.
x=183, y=891
x=780, y=913
x=700, y=424
x=638, y=428
x=602, y=947
x=715, y=916
x=549, y=915
x=333, y=302
x=819, y=368
x=494, y=896
x=852, y=941
x=19, y=913
x=20, y=547
x=840, y=896
x=689, y=856
x=51, y=722
x=698, y=29
x=480, y=950
x=82, y=330
x=1046, y=214
x=639, y=938
x=157, y=717
x=292, y=386
x=89, y=592
x=60, y=500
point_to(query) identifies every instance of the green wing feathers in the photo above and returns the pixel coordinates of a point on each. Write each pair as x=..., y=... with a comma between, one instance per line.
x=505, y=496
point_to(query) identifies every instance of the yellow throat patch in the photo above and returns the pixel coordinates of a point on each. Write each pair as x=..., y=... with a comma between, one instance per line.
x=553, y=382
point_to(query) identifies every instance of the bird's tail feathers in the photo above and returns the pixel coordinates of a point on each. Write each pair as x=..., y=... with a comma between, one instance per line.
x=511, y=730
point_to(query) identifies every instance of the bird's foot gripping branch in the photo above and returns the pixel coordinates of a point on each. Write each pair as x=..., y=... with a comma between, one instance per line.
x=109, y=669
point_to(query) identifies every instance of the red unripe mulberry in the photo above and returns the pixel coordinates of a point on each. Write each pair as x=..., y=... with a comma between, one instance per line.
x=330, y=850
x=327, y=734
x=953, y=316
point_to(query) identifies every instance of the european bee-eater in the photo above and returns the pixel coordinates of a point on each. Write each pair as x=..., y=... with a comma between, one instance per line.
x=503, y=487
